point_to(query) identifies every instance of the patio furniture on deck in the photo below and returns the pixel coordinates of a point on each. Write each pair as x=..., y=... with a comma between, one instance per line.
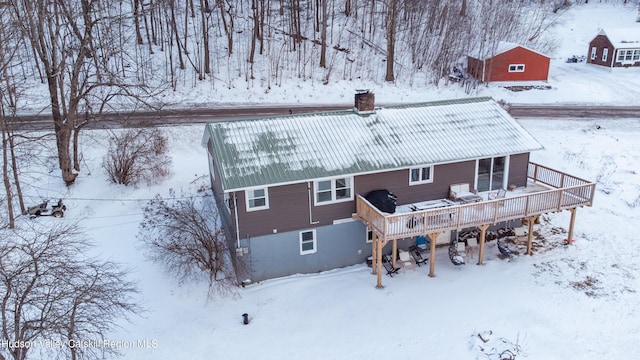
x=499, y=194
x=462, y=193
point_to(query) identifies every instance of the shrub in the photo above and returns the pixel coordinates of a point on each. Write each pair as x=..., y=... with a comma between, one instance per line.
x=137, y=155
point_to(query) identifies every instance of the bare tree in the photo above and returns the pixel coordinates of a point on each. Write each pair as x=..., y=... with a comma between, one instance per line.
x=392, y=17
x=323, y=35
x=137, y=155
x=80, y=51
x=50, y=292
x=184, y=235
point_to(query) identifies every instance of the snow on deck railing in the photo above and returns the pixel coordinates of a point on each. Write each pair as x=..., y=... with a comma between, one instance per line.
x=570, y=192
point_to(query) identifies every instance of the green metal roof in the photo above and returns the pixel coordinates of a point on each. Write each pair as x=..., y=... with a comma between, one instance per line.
x=294, y=148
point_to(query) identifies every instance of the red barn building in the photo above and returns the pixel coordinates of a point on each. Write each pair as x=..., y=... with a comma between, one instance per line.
x=615, y=48
x=508, y=62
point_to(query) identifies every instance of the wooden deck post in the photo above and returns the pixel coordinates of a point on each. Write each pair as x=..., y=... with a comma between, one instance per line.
x=432, y=257
x=374, y=254
x=394, y=253
x=483, y=234
x=573, y=220
x=532, y=219
x=379, y=261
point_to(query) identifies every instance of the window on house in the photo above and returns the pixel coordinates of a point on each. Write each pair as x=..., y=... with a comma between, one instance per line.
x=594, y=51
x=491, y=173
x=257, y=199
x=334, y=190
x=516, y=68
x=308, y=242
x=212, y=166
x=605, y=53
x=628, y=55
x=369, y=238
x=420, y=175
x=227, y=202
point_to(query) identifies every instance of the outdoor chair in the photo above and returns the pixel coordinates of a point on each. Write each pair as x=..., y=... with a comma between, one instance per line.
x=520, y=234
x=417, y=254
x=472, y=247
x=388, y=265
x=499, y=194
x=462, y=193
x=406, y=260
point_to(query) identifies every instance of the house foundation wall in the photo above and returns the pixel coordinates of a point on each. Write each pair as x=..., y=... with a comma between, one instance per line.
x=278, y=255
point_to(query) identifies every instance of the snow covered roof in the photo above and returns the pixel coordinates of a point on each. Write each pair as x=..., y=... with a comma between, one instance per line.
x=294, y=148
x=623, y=38
x=503, y=47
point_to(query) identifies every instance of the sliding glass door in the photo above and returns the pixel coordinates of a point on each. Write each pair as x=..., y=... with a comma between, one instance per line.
x=491, y=173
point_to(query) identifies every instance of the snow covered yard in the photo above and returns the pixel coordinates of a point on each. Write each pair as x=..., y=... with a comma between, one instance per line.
x=564, y=302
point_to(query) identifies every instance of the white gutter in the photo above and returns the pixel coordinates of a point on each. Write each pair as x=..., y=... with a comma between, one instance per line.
x=235, y=210
x=310, y=205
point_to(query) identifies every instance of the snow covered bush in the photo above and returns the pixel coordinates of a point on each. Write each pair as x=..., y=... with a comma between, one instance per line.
x=137, y=155
x=183, y=234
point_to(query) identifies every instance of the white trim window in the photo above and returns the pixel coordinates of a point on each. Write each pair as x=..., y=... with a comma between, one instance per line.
x=308, y=242
x=594, y=52
x=421, y=175
x=369, y=238
x=331, y=191
x=628, y=55
x=516, y=68
x=257, y=199
x=605, y=54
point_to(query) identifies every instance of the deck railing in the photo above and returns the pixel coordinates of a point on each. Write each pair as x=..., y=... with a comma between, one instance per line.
x=567, y=192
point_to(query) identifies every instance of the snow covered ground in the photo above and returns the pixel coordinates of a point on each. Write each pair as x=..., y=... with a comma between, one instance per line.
x=564, y=302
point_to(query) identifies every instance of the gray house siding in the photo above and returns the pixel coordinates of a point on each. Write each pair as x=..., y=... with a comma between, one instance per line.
x=278, y=255
x=398, y=182
x=518, y=167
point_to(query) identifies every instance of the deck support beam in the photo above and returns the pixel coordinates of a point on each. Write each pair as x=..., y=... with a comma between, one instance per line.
x=394, y=253
x=571, y=223
x=374, y=254
x=432, y=257
x=483, y=234
x=531, y=220
x=379, y=247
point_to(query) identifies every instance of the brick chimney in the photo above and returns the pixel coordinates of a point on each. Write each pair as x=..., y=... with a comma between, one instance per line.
x=365, y=102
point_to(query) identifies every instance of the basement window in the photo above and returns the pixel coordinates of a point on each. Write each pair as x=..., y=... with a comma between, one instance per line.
x=516, y=68
x=308, y=242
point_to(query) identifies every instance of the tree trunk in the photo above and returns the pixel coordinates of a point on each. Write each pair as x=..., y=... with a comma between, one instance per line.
x=347, y=8
x=323, y=36
x=5, y=168
x=205, y=10
x=136, y=21
x=392, y=15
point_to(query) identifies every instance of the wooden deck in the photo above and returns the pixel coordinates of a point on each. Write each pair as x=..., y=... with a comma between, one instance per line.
x=551, y=191
x=565, y=192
